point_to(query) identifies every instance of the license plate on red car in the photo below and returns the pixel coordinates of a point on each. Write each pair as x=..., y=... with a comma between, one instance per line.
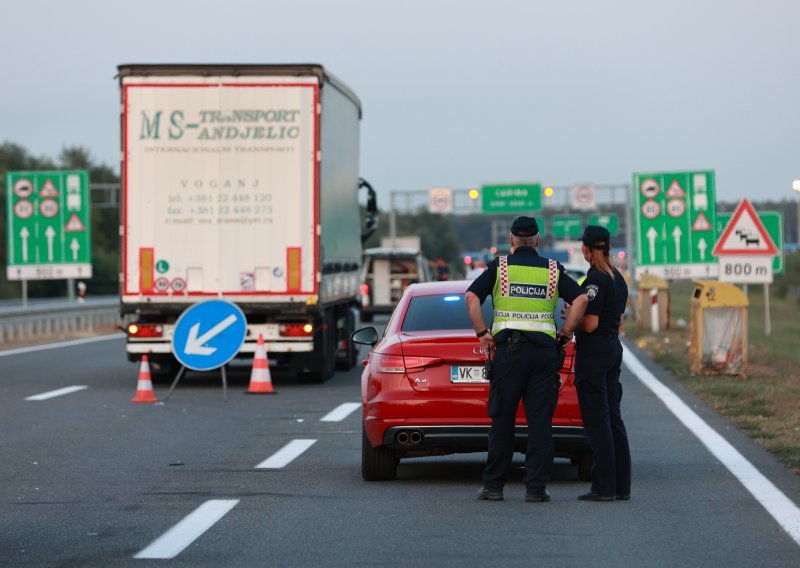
x=467, y=374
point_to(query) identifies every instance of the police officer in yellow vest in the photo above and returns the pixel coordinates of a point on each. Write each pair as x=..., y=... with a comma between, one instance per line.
x=525, y=288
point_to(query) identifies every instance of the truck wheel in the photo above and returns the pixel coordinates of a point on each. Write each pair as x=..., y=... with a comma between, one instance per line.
x=345, y=361
x=366, y=318
x=163, y=369
x=377, y=464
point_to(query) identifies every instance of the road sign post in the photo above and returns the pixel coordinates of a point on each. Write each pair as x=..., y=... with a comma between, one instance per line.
x=206, y=337
x=49, y=225
x=512, y=198
x=675, y=224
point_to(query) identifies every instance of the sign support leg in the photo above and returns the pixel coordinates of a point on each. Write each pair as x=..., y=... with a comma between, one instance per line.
x=71, y=289
x=175, y=382
x=767, y=321
x=24, y=293
x=224, y=383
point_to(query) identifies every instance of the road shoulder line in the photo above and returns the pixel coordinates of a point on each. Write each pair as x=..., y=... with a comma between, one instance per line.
x=776, y=503
x=60, y=344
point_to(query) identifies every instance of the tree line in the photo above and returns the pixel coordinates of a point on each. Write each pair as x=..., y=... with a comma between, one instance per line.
x=441, y=236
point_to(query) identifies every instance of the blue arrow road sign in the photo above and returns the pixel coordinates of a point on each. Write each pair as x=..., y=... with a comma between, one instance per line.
x=208, y=335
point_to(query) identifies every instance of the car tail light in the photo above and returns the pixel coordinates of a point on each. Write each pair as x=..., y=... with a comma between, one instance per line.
x=389, y=363
x=295, y=329
x=400, y=364
x=145, y=330
x=417, y=363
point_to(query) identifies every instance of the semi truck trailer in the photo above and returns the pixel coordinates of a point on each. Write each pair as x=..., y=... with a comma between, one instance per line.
x=241, y=182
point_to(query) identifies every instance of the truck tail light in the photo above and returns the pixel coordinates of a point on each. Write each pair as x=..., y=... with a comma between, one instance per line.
x=364, y=289
x=295, y=329
x=145, y=330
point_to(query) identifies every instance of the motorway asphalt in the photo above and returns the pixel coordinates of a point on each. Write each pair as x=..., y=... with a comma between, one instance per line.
x=91, y=479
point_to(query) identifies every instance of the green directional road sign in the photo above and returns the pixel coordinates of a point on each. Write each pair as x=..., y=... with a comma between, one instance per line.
x=512, y=198
x=773, y=223
x=48, y=223
x=675, y=216
x=610, y=222
x=567, y=226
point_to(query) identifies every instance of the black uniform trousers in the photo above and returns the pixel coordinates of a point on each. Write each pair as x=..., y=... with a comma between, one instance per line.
x=597, y=369
x=528, y=373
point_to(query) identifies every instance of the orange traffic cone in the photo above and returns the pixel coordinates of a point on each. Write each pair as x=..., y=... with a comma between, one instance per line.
x=260, y=379
x=144, y=387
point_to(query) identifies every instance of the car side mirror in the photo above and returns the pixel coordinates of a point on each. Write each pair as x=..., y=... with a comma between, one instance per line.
x=365, y=336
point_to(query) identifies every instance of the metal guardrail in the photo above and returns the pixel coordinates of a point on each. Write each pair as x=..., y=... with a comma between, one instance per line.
x=48, y=319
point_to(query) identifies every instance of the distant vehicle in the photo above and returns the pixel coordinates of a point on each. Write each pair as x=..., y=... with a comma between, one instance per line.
x=423, y=390
x=386, y=272
x=240, y=182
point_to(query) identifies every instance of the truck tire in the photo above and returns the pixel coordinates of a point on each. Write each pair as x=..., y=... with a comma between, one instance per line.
x=163, y=369
x=345, y=361
x=377, y=464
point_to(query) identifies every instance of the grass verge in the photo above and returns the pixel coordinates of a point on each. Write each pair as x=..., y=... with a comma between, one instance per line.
x=766, y=403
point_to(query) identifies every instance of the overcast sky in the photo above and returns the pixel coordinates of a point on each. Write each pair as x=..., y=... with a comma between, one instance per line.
x=455, y=93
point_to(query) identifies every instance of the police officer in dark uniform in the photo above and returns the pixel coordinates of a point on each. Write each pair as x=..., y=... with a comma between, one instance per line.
x=598, y=357
x=525, y=289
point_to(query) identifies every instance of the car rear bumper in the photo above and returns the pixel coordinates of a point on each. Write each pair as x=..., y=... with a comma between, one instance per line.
x=414, y=440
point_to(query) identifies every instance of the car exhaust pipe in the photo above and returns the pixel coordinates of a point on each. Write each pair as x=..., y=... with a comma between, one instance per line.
x=402, y=438
x=415, y=438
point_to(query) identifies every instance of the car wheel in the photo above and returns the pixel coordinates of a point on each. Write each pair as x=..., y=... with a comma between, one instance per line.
x=377, y=464
x=585, y=467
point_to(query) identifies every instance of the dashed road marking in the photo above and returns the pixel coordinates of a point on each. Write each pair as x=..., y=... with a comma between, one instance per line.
x=286, y=454
x=172, y=542
x=340, y=412
x=777, y=504
x=57, y=392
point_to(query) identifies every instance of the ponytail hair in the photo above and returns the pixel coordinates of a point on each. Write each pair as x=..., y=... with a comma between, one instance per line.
x=601, y=260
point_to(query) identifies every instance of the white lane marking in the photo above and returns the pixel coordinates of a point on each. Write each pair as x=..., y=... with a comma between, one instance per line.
x=777, y=504
x=60, y=344
x=286, y=454
x=340, y=412
x=172, y=542
x=58, y=392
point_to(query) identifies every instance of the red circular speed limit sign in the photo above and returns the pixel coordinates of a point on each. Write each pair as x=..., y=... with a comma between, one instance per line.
x=651, y=209
x=49, y=208
x=23, y=209
x=676, y=207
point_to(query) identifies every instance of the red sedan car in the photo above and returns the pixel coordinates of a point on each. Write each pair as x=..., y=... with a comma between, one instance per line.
x=423, y=391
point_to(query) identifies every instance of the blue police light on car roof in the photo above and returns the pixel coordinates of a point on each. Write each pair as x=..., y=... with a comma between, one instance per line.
x=452, y=298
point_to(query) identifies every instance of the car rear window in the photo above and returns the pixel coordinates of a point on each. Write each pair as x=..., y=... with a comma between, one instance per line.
x=442, y=311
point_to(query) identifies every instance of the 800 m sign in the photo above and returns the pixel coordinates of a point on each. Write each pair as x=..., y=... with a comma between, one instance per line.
x=746, y=269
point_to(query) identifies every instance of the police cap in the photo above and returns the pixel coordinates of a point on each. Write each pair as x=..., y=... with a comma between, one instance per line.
x=524, y=227
x=596, y=237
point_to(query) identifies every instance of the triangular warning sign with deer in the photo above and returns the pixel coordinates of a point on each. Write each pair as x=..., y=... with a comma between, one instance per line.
x=745, y=234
